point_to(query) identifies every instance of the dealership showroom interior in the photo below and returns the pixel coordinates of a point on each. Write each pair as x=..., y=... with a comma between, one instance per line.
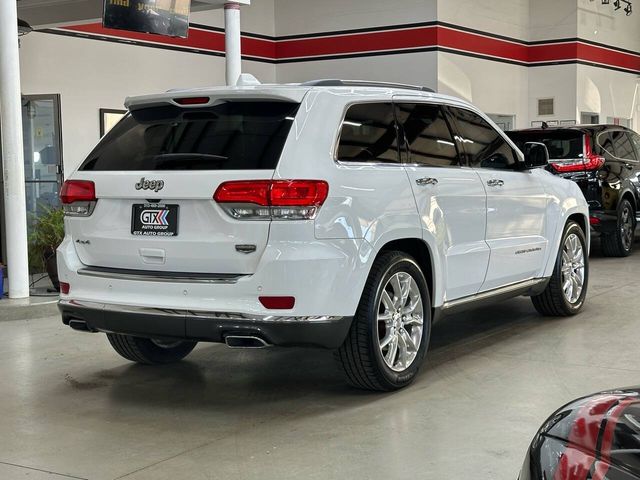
x=325, y=239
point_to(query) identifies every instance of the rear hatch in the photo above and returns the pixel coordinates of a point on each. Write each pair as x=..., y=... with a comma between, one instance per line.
x=155, y=174
x=566, y=147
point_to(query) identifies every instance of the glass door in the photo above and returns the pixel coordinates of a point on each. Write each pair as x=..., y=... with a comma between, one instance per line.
x=42, y=153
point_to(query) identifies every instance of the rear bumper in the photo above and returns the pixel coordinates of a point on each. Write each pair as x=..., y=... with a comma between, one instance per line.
x=325, y=332
x=603, y=221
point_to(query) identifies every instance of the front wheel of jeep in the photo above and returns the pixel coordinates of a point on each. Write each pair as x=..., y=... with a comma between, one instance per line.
x=565, y=294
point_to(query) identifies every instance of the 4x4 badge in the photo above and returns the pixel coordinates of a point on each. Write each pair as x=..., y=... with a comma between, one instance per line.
x=155, y=185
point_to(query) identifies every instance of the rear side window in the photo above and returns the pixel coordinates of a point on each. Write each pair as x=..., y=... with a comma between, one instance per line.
x=483, y=145
x=369, y=134
x=618, y=143
x=635, y=139
x=227, y=136
x=561, y=144
x=428, y=138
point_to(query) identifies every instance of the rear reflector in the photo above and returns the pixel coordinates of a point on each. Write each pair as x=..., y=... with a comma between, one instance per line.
x=192, y=100
x=278, y=303
x=65, y=288
x=266, y=199
x=594, y=221
x=77, y=191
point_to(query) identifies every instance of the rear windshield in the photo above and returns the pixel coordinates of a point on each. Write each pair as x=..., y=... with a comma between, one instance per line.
x=227, y=136
x=562, y=144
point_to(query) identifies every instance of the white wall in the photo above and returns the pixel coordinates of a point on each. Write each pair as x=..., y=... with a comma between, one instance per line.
x=413, y=68
x=503, y=17
x=600, y=23
x=551, y=19
x=497, y=88
x=557, y=82
x=311, y=16
x=609, y=93
x=91, y=74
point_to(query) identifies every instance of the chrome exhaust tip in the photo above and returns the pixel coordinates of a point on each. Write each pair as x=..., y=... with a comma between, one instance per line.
x=245, y=341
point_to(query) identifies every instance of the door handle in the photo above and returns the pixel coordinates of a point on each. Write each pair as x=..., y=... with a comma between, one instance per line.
x=423, y=182
x=495, y=182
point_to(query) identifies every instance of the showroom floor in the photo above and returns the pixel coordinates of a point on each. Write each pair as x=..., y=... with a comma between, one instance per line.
x=71, y=408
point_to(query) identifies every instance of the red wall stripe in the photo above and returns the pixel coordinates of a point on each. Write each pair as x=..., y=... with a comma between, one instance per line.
x=360, y=43
x=401, y=39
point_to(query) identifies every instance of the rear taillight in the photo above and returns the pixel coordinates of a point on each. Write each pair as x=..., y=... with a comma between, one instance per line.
x=589, y=162
x=272, y=199
x=78, y=198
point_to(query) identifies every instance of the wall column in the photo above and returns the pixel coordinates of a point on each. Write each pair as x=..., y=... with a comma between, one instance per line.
x=15, y=213
x=233, y=53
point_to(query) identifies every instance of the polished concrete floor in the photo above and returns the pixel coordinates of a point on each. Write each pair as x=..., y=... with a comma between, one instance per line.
x=71, y=408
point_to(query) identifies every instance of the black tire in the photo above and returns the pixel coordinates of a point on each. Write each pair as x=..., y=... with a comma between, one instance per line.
x=552, y=302
x=620, y=242
x=149, y=352
x=360, y=355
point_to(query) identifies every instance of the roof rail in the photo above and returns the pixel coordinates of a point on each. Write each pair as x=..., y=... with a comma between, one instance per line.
x=334, y=82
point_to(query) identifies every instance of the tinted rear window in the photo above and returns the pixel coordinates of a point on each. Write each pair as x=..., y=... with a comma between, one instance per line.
x=227, y=136
x=562, y=144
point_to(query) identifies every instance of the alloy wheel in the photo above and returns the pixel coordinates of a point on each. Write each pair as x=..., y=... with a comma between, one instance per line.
x=400, y=321
x=626, y=228
x=572, y=268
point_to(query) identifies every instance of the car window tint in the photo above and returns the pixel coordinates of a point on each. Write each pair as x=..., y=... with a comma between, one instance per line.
x=635, y=139
x=618, y=143
x=561, y=144
x=429, y=140
x=630, y=147
x=369, y=134
x=483, y=145
x=229, y=136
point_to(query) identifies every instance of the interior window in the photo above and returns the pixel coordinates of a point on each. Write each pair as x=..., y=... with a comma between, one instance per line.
x=369, y=134
x=482, y=144
x=429, y=140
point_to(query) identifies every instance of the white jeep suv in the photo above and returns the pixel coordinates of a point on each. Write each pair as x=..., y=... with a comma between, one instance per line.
x=339, y=214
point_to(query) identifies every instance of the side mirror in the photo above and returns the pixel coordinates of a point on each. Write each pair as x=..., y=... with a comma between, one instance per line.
x=536, y=155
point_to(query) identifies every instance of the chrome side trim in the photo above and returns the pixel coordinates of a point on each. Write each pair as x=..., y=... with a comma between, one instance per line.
x=478, y=297
x=154, y=276
x=204, y=315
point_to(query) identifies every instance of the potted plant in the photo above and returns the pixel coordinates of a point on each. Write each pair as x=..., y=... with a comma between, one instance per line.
x=46, y=235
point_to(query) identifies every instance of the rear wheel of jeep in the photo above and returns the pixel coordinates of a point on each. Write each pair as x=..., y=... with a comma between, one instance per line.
x=390, y=332
x=150, y=351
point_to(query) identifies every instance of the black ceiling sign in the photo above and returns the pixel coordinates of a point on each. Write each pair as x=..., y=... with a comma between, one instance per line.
x=162, y=17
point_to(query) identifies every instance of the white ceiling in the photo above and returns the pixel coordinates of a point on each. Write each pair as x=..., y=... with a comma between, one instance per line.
x=41, y=13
